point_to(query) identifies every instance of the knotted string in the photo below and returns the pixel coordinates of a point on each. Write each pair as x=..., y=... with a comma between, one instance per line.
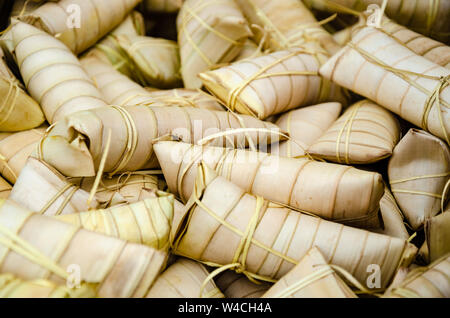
x=347, y=125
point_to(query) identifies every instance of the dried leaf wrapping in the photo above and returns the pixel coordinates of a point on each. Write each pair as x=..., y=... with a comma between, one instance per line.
x=273, y=83
x=79, y=24
x=128, y=187
x=184, y=279
x=117, y=268
x=432, y=281
x=147, y=222
x=364, y=134
x=312, y=277
x=40, y=188
x=234, y=285
x=209, y=33
x=289, y=22
x=52, y=74
x=437, y=231
x=265, y=240
x=13, y=287
x=393, y=219
x=305, y=126
x=418, y=171
x=76, y=144
x=424, y=16
x=335, y=192
x=378, y=67
x=15, y=148
x=156, y=59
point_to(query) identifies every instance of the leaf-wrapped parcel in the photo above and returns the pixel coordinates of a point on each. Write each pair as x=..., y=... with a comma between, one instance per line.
x=52, y=73
x=42, y=189
x=312, y=277
x=273, y=83
x=15, y=148
x=437, y=233
x=305, y=126
x=129, y=187
x=184, y=279
x=289, y=22
x=156, y=59
x=378, y=67
x=116, y=268
x=79, y=24
x=364, y=134
x=76, y=144
x=432, y=281
x=146, y=222
x=235, y=285
x=424, y=16
x=209, y=33
x=418, y=172
x=265, y=240
x=335, y=192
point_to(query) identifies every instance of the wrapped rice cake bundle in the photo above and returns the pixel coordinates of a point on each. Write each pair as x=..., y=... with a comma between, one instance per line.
x=265, y=240
x=95, y=19
x=40, y=188
x=393, y=219
x=76, y=145
x=184, y=279
x=273, y=83
x=432, y=281
x=18, y=111
x=235, y=285
x=109, y=51
x=424, y=16
x=305, y=126
x=186, y=97
x=5, y=188
x=365, y=133
x=156, y=59
x=209, y=33
x=289, y=22
x=335, y=192
x=383, y=70
x=147, y=222
x=13, y=287
x=129, y=187
x=116, y=268
x=312, y=277
x=418, y=172
x=162, y=6
x=430, y=49
x=116, y=88
x=52, y=74
x=15, y=148
x=437, y=233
